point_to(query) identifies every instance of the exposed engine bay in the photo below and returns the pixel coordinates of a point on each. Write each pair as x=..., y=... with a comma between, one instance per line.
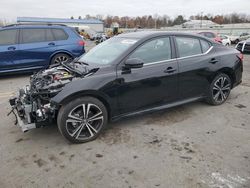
x=32, y=107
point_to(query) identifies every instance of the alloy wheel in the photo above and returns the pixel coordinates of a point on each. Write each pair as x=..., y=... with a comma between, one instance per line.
x=84, y=121
x=221, y=89
x=60, y=59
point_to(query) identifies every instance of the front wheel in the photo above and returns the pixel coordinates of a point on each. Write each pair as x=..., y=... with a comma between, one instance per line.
x=219, y=89
x=82, y=119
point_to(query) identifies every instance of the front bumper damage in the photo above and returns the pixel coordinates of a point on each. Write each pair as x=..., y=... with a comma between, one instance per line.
x=30, y=115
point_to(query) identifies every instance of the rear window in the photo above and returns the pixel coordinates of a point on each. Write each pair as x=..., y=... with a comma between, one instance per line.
x=8, y=37
x=59, y=34
x=188, y=46
x=205, y=46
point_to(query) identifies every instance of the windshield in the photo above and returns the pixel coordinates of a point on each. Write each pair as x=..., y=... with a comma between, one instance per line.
x=107, y=51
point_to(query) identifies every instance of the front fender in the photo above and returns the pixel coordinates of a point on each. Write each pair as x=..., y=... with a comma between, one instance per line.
x=97, y=85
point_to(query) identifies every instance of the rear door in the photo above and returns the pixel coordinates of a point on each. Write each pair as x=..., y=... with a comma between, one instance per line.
x=195, y=59
x=8, y=49
x=154, y=84
x=36, y=47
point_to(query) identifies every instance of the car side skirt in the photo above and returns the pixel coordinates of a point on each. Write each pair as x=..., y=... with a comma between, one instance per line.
x=158, y=108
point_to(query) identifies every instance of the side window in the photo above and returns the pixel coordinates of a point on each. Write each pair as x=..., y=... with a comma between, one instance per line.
x=8, y=37
x=205, y=46
x=33, y=35
x=59, y=34
x=49, y=35
x=188, y=46
x=155, y=50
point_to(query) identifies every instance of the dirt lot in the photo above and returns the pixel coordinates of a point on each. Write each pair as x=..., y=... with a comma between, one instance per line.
x=195, y=145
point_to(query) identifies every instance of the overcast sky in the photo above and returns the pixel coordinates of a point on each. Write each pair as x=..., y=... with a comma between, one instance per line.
x=10, y=9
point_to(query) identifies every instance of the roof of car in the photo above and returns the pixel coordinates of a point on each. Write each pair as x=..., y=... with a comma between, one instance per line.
x=33, y=26
x=145, y=34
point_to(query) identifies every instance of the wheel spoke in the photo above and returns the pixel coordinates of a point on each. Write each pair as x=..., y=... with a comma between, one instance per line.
x=94, y=117
x=216, y=87
x=97, y=118
x=79, y=132
x=92, y=127
x=90, y=131
x=88, y=108
x=222, y=81
x=227, y=87
x=216, y=96
x=76, y=130
x=73, y=121
x=74, y=117
x=222, y=96
x=84, y=111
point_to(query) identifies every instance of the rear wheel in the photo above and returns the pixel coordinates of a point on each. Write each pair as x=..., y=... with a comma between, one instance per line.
x=219, y=89
x=59, y=58
x=82, y=120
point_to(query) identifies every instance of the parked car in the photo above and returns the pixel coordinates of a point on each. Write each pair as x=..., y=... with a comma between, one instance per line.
x=244, y=46
x=237, y=38
x=32, y=47
x=225, y=40
x=126, y=75
x=212, y=36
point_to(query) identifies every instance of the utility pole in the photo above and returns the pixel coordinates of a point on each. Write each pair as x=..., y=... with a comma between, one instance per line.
x=201, y=18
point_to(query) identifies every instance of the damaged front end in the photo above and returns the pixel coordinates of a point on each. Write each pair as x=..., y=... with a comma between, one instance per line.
x=32, y=107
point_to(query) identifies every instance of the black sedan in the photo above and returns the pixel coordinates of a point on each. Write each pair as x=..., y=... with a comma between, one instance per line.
x=127, y=75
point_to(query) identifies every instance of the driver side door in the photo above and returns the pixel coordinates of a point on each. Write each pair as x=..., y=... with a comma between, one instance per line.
x=154, y=84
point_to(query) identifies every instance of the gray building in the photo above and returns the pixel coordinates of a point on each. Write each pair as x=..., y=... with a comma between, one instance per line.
x=91, y=26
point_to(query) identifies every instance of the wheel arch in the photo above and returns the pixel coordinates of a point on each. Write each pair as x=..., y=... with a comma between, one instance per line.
x=90, y=93
x=230, y=72
x=60, y=52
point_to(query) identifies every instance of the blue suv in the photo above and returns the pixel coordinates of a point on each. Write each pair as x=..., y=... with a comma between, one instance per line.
x=28, y=48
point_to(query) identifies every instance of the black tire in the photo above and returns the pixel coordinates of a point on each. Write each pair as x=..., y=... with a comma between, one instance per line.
x=237, y=41
x=76, y=131
x=219, y=89
x=58, y=58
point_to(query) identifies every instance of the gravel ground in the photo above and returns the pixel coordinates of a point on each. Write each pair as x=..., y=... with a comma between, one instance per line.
x=194, y=145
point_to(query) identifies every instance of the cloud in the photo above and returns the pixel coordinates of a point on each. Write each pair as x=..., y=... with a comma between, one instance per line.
x=65, y=8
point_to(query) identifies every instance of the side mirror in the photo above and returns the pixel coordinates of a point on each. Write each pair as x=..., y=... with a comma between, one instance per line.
x=133, y=63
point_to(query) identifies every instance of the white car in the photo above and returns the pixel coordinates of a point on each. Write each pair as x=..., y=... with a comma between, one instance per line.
x=225, y=40
x=237, y=38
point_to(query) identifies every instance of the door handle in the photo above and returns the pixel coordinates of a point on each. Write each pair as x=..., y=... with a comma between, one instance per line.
x=51, y=44
x=170, y=70
x=213, y=61
x=12, y=48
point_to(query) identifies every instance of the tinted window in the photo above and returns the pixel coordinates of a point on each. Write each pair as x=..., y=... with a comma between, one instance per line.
x=33, y=35
x=188, y=46
x=205, y=45
x=59, y=34
x=8, y=37
x=49, y=35
x=155, y=50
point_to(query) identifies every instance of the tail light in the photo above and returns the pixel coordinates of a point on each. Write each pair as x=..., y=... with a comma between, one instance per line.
x=240, y=56
x=81, y=43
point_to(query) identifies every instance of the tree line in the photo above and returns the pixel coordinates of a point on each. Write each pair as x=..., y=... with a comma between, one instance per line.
x=158, y=21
